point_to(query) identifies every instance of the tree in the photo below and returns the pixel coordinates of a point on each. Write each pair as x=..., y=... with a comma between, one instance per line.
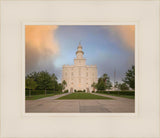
x=30, y=84
x=116, y=84
x=44, y=81
x=107, y=81
x=54, y=81
x=104, y=82
x=33, y=75
x=130, y=77
x=101, y=84
x=94, y=85
x=123, y=86
x=108, y=84
x=60, y=87
x=105, y=77
x=54, y=77
x=64, y=84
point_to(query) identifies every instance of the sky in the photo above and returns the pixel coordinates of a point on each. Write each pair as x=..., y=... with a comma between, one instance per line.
x=110, y=47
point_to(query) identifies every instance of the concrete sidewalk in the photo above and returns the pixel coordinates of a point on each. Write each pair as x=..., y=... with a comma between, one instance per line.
x=51, y=105
x=54, y=97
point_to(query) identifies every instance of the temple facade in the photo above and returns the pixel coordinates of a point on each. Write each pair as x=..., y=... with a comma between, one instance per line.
x=79, y=77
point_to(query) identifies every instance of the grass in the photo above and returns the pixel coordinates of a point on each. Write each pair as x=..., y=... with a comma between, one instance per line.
x=124, y=96
x=35, y=97
x=82, y=95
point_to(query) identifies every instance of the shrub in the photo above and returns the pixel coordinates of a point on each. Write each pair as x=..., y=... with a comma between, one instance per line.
x=131, y=93
x=41, y=92
x=65, y=91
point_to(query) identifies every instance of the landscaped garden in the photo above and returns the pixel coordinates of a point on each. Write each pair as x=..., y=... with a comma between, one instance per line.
x=82, y=95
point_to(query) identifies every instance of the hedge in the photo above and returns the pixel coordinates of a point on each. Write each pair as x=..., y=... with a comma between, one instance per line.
x=132, y=93
x=39, y=92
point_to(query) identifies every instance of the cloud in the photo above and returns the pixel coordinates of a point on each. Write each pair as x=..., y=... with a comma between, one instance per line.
x=41, y=46
x=124, y=33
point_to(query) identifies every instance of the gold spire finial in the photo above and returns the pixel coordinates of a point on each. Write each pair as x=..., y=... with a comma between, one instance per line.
x=79, y=46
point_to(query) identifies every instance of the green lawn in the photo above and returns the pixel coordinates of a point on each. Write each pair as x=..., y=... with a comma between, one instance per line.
x=124, y=96
x=35, y=97
x=82, y=95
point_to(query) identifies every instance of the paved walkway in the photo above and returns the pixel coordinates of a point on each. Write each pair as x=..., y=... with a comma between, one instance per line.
x=51, y=105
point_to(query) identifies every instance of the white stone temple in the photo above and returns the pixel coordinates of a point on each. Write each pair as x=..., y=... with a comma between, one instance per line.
x=79, y=77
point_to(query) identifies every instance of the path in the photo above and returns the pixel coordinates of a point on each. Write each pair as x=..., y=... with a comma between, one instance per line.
x=51, y=105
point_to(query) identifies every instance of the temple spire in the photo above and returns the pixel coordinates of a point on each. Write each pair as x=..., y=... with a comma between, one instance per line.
x=79, y=52
x=79, y=46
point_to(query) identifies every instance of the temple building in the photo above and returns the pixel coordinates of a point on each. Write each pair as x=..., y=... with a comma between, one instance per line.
x=79, y=77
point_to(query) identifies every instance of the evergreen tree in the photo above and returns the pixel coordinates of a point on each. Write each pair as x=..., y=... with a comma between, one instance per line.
x=101, y=84
x=130, y=77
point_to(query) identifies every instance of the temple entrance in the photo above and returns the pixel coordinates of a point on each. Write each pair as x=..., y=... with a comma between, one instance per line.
x=88, y=90
x=71, y=90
